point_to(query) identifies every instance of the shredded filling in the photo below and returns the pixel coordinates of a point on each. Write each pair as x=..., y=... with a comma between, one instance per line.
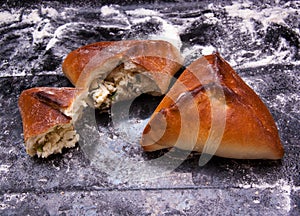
x=103, y=94
x=53, y=141
x=122, y=83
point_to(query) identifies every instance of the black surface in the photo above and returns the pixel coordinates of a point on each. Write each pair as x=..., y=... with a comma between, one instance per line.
x=264, y=53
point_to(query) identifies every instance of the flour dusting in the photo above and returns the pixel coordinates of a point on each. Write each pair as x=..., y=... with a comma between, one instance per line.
x=285, y=189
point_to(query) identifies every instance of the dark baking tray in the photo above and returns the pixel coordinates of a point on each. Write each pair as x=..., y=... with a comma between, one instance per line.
x=259, y=39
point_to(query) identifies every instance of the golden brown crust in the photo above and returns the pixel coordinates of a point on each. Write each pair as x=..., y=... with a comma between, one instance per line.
x=41, y=109
x=250, y=131
x=76, y=60
x=159, y=58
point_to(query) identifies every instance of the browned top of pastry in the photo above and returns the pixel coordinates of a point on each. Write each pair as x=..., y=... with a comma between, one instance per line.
x=250, y=130
x=152, y=55
x=41, y=108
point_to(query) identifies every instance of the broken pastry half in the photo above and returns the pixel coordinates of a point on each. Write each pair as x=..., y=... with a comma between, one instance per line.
x=48, y=116
x=249, y=130
x=104, y=72
x=121, y=70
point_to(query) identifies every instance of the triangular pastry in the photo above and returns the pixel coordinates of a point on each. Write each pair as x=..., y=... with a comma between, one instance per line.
x=249, y=130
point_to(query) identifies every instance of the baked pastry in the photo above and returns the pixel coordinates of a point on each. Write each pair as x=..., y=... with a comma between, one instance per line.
x=121, y=70
x=48, y=115
x=103, y=70
x=249, y=130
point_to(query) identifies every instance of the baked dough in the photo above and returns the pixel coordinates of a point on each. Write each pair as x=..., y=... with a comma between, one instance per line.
x=48, y=116
x=249, y=131
x=121, y=70
x=105, y=71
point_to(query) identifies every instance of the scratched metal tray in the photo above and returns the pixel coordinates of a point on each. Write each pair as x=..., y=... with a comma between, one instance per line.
x=115, y=177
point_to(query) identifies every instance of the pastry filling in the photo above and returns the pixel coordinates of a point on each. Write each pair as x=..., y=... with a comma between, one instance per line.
x=53, y=141
x=77, y=107
x=103, y=94
x=124, y=82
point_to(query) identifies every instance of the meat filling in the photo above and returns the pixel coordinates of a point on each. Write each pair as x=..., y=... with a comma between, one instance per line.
x=53, y=141
x=103, y=94
x=126, y=81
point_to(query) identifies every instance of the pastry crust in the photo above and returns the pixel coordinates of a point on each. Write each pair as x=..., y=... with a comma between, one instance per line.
x=158, y=60
x=46, y=120
x=250, y=131
x=98, y=70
